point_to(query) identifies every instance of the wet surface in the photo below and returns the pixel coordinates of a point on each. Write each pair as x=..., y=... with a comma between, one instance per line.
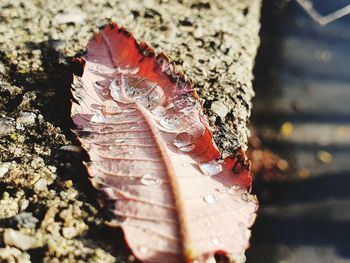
x=302, y=113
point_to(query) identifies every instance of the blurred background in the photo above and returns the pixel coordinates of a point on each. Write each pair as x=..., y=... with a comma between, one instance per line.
x=300, y=144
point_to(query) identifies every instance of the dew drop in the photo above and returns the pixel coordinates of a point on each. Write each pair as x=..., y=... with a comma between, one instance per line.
x=211, y=168
x=98, y=118
x=187, y=148
x=170, y=106
x=216, y=241
x=159, y=111
x=152, y=98
x=210, y=199
x=150, y=179
x=135, y=85
x=235, y=187
x=223, y=190
x=100, y=84
x=110, y=107
x=117, y=92
x=184, y=142
x=170, y=122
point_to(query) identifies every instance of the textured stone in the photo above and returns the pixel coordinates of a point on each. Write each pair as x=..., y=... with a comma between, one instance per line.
x=213, y=42
x=19, y=240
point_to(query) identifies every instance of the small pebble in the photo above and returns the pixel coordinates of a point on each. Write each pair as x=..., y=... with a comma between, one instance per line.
x=40, y=185
x=26, y=220
x=23, y=204
x=68, y=183
x=69, y=232
x=26, y=118
x=219, y=108
x=19, y=240
x=4, y=168
x=37, y=162
x=6, y=126
x=76, y=17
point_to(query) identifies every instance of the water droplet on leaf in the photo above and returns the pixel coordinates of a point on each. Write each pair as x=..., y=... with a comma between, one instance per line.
x=110, y=107
x=98, y=118
x=117, y=92
x=171, y=123
x=100, y=84
x=211, y=168
x=210, y=199
x=150, y=179
x=159, y=111
x=119, y=140
x=184, y=142
x=216, y=241
x=223, y=190
x=234, y=188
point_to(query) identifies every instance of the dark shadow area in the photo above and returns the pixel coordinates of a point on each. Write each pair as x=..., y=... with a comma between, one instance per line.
x=319, y=188
x=307, y=147
x=276, y=119
x=274, y=230
x=52, y=88
x=52, y=85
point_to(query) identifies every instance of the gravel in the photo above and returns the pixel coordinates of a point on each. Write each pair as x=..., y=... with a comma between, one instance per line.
x=41, y=172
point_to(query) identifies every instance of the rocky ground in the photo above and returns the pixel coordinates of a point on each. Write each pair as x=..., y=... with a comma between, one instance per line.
x=48, y=211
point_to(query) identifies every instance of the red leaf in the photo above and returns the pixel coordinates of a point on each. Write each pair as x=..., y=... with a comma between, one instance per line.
x=153, y=155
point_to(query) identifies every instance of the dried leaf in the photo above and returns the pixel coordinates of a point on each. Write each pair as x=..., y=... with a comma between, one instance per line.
x=153, y=156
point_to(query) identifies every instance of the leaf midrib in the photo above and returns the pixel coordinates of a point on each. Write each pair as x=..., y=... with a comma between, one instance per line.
x=173, y=183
